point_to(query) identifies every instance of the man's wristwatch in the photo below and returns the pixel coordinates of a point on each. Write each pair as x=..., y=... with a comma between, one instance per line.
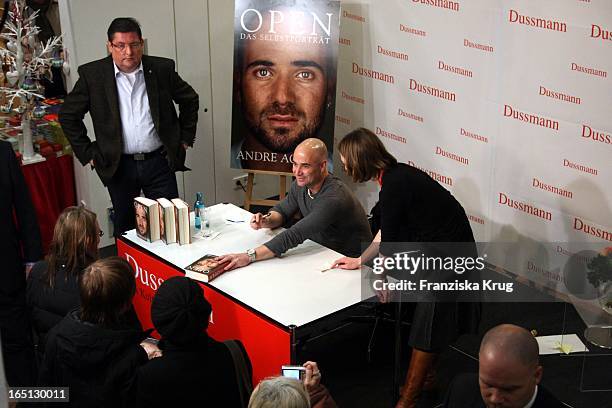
x=252, y=254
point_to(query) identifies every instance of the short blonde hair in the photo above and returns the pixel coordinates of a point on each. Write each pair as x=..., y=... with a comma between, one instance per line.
x=279, y=392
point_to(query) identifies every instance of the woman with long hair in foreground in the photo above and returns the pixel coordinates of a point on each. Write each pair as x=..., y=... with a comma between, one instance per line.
x=53, y=284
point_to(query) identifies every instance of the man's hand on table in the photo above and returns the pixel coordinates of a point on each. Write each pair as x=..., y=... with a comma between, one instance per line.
x=270, y=220
x=260, y=220
x=235, y=260
x=243, y=259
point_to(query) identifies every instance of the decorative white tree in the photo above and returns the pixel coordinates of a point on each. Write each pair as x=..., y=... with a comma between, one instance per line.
x=28, y=61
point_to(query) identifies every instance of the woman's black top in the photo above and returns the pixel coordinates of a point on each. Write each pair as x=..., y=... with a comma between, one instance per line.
x=47, y=305
x=416, y=208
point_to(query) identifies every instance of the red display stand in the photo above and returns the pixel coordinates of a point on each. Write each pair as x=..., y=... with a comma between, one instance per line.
x=268, y=343
x=51, y=185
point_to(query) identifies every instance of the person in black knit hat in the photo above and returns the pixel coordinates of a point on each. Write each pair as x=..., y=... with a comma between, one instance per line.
x=194, y=369
x=180, y=312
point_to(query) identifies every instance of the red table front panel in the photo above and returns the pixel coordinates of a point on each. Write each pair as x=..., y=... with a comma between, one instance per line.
x=267, y=344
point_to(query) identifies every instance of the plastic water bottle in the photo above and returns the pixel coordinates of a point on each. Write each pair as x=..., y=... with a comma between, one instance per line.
x=198, y=209
x=206, y=221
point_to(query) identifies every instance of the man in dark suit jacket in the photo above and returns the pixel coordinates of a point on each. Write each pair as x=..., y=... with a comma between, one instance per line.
x=509, y=374
x=140, y=140
x=20, y=248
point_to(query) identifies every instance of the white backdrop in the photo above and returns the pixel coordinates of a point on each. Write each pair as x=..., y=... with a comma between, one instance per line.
x=506, y=103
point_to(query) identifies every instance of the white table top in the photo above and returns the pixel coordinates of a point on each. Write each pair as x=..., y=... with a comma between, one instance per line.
x=291, y=290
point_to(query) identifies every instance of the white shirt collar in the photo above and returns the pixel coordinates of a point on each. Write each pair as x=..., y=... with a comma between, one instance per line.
x=117, y=71
x=532, y=400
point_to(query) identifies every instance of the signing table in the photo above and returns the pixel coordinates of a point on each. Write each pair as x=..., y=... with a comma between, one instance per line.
x=268, y=305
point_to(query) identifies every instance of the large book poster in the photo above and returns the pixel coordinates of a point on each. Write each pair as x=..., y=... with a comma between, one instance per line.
x=285, y=58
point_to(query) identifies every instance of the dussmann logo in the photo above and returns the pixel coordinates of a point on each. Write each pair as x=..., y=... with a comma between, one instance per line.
x=370, y=73
x=588, y=70
x=596, y=135
x=440, y=178
x=407, y=29
x=352, y=16
x=482, y=47
x=430, y=90
x=445, y=4
x=150, y=280
x=514, y=113
x=390, y=135
x=344, y=120
x=413, y=261
x=600, y=32
x=516, y=17
x=145, y=277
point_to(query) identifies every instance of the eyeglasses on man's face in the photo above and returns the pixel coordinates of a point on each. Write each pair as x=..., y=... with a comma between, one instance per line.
x=122, y=47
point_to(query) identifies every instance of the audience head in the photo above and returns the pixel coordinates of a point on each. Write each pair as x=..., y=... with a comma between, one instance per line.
x=75, y=242
x=107, y=287
x=509, y=368
x=179, y=310
x=363, y=155
x=279, y=392
x=310, y=162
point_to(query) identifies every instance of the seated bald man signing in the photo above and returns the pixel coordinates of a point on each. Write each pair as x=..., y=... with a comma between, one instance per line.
x=509, y=374
x=332, y=215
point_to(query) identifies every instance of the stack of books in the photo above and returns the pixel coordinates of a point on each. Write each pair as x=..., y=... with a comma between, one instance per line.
x=163, y=219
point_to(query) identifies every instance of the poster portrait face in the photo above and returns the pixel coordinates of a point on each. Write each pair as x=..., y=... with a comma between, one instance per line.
x=142, y=224
x=284, y=80
x=284, y=87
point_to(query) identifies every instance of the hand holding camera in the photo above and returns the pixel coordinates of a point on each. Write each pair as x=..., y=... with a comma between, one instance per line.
x=312, y=377
x=150, y=346
x=308, y=373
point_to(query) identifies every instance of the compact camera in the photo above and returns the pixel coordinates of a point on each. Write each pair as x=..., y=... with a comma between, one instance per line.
x=290, y=371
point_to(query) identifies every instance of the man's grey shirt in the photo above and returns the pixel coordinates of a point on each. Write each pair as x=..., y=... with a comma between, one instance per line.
x=333, y=218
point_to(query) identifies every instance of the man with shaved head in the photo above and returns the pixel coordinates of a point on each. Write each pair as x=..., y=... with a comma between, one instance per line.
x=508, y=374
x=332, y=216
